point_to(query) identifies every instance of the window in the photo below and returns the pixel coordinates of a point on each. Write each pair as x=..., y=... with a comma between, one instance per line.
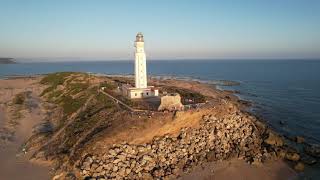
x=147, y=94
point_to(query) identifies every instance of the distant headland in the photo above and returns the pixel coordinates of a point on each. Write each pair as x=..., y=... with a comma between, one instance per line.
x=7, y=61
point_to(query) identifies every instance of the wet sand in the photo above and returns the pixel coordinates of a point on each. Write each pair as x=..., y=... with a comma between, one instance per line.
x=14, y=164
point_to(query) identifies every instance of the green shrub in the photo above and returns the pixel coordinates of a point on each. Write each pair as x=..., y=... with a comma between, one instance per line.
x=71, y=105
x=54, y=95
x=47, y=90
x=185, y=94
x=77, y=87
x=53, y=80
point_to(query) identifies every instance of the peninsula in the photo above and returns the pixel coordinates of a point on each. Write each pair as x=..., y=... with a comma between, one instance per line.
x=7, y=61
x=83, y=131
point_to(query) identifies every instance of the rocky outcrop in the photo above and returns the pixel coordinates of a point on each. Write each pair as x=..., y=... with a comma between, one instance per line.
x=299, y=166
x=171, y=102
x=167, y=156
x=273, y=139
x=299, y=139
x=292, y=156
x=313, y=150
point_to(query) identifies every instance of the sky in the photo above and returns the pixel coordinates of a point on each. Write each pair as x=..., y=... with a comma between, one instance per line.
x=173, y=29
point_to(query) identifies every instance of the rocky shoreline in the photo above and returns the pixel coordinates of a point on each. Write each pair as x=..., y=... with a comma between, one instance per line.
x=237, y=135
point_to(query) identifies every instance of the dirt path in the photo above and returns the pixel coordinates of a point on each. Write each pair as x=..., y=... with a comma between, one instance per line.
x=15, y=164
x=120, y=102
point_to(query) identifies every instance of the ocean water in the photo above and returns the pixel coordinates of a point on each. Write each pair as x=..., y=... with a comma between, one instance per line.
x=281, y=90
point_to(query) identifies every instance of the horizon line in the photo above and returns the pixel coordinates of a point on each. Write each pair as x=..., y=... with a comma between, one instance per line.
x=154, y=60
x=157, y=59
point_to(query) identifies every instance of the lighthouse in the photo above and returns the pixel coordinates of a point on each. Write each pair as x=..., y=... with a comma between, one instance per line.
x=140, y=64
x=141, y=88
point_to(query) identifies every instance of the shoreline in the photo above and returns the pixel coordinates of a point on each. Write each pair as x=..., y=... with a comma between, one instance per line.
x=225, y=92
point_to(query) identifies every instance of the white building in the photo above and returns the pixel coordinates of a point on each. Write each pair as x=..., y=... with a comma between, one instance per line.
x=141, y=89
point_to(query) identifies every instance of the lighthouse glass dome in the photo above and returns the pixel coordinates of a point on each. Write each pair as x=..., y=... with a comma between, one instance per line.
x=139, y=37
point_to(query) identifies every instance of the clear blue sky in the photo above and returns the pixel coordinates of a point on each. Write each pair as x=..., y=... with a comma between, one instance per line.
x=173, y=29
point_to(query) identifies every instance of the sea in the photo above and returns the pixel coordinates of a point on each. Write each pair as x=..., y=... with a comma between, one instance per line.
x=285, y=93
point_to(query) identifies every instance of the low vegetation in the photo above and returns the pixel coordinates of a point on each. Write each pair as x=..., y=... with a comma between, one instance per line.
x=84, y=110
x=78, y=87
x=55, y=79
x=71, y=94
x=71, y=105
x=18, y=104
x=88, y=119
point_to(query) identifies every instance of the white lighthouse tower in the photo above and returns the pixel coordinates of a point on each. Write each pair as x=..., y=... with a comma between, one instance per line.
x=141, y=88
x=140, y=70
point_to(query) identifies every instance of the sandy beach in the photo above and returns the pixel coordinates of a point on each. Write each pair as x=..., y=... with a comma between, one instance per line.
x=15, y=163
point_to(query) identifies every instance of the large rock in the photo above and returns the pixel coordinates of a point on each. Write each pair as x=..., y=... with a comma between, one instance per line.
x=313, y=150
x=292, y=156
x=308, y=159
x=274, y=140
x=299, y=166
x=299, y=139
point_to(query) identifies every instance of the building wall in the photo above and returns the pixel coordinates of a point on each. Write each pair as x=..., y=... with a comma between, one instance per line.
x=171, y=102
x=143, y=93
x=156, y=92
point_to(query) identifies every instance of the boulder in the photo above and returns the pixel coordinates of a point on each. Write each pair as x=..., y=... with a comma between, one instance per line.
x=299, y=139
x=292, y=156
x=261, y=126
x=146, y=176
x=94, y=166
x=116, y=161
x=274, y=140
x=281, y=153
x=70, y=176
x=313, y=150
x=99, y=169
x=308, y=159
x=299, y=167
x=112, y=152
